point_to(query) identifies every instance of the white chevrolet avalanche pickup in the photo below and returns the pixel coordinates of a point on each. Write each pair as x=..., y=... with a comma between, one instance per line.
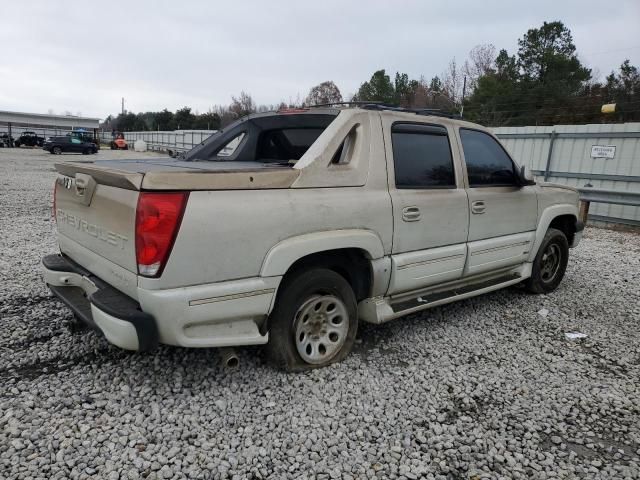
x=288, y=228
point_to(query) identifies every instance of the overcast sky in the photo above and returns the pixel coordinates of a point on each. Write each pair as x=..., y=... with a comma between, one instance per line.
x=84, y=56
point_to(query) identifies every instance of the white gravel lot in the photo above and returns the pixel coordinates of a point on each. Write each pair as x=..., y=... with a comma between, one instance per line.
x=485, y=388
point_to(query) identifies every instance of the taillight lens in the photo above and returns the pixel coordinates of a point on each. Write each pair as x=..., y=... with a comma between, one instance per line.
x=158, y=218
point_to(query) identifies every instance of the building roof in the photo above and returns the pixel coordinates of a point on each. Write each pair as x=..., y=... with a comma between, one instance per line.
x=40, y=119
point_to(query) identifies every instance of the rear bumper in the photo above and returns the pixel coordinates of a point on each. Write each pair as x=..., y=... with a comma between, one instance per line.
x=222, y=314
x=107, y=310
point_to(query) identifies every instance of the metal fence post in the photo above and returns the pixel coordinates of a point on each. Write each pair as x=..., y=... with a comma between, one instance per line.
x=584, y=211
x=552, y=139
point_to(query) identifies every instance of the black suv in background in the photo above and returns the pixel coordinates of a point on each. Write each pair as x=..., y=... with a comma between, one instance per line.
x=58, y=145
x=30, y=139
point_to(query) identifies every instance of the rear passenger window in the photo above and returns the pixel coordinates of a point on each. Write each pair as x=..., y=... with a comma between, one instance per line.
x=231, y=146
x=487, y=162
x=422, y=156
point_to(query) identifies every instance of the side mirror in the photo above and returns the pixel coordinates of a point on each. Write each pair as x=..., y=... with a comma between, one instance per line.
x=526, y=177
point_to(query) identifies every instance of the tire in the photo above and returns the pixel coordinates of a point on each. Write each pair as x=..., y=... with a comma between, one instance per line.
x=301, y=339
x=550, y=263
x=56, y=151
x=16, y=144
x=86, y=151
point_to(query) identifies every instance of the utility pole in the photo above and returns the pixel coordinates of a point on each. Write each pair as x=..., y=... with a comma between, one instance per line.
x=464, y=90
x=122, y=105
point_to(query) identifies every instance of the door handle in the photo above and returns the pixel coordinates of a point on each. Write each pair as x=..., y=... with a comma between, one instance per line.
x=411, y=214
x=477, y=207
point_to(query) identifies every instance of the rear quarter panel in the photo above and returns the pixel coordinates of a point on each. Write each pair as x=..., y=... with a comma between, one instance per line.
x=226, y=235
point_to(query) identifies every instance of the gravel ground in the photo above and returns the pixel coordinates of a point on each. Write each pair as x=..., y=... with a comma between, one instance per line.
x=485, y=388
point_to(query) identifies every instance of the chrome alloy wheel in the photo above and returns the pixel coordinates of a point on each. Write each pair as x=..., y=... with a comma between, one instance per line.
x=551, y=259
x=321, y=325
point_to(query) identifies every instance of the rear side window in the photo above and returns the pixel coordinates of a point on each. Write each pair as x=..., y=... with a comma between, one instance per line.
x=487, y=162
x=286, y=144
x=231, y=146
x=422, y=156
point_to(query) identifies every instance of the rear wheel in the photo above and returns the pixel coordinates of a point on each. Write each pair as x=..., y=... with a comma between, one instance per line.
x=56, y=150
x=550, y=263
x=86, y=151
x=314, y=321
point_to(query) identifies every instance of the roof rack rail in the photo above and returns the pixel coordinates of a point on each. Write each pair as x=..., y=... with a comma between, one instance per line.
x=417, y=111
x=383, y=106
x=343, y=103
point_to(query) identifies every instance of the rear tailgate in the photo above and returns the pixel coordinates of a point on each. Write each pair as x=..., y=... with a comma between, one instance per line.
x=96, y=211
x=98, y=217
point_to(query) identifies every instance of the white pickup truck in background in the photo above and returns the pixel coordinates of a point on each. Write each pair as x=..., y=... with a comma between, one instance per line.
x=288, y=228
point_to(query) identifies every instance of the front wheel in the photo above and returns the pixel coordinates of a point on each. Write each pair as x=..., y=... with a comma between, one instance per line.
x=314, y=322
x=56, y=151
x=550, y=263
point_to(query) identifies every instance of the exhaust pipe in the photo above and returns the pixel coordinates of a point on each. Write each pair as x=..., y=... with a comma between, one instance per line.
x=229, y=357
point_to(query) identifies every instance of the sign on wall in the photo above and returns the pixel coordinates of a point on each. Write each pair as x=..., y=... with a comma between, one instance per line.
x=603, y=151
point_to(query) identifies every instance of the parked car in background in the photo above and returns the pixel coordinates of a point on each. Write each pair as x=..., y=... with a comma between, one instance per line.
x=68, y=144
x=29, y=139
x=85, y=137
x=6, y=141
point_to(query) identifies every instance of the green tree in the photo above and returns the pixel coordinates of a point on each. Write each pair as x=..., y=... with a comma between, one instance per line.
x=623, y=89
x=378, y=89
x=542, y=50
x=542, y=85
x=165, y=120
x=207, y=121
x=184, y=118
x=551, y=73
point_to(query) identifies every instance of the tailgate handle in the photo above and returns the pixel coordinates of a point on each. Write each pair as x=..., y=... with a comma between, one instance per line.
x=85, y=187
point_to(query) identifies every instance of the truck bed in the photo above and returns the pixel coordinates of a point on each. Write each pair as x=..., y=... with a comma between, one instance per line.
x=168, y=174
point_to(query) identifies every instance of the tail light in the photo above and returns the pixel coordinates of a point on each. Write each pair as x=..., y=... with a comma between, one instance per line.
x=158, y=218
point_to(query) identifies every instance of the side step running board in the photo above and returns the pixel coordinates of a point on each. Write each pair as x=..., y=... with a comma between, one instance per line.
x=438, y=297
x=383, y=309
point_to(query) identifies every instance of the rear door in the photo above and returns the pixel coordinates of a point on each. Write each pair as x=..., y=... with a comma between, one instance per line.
x=430, y=207
x=503, y=215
